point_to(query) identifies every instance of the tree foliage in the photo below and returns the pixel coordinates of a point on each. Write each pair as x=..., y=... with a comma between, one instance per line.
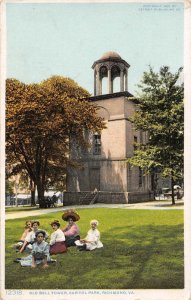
x=40, y=121
x=9, y=187
x=161, y=113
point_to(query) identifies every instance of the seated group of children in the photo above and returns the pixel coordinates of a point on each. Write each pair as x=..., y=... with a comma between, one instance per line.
x=34, y=240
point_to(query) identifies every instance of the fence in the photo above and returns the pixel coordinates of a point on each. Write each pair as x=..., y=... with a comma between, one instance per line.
x=11, y=201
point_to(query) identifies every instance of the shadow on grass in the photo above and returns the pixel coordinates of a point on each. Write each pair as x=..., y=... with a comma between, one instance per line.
x=155, y=256
x=133, y=257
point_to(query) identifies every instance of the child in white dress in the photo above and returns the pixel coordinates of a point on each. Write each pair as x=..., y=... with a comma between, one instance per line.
x=92, y=239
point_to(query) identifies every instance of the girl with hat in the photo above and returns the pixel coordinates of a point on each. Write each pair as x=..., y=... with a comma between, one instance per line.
x=92, y=239
x=71, y=231
x=57, y=244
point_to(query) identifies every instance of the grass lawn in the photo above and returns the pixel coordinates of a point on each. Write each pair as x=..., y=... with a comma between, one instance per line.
x=26, y=208
x=20, y=208
x=143, y=249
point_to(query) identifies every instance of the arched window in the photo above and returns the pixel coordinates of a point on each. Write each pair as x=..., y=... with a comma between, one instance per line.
x=115, y=77
x=103, y=80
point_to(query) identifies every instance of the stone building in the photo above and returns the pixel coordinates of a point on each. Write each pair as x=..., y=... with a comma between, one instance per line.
x=104, y=168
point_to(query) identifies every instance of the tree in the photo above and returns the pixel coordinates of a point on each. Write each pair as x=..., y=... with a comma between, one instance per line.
x=9, y=187
x=160, y=113
x=40, y=120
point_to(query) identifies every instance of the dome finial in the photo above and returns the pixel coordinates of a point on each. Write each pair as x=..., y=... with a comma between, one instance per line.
x=110, y=54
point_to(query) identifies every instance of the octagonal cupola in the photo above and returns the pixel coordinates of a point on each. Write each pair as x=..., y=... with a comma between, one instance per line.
x=110, y=65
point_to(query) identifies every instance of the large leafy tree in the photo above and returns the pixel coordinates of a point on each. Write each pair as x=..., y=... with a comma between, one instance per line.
x=41, y=120
x=160, y=113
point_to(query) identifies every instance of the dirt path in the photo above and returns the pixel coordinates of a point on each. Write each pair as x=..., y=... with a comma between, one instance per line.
x=160, y=204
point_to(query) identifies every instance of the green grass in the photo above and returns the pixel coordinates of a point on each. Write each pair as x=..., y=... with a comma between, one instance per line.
x=26, y=208
x=20, y=208
x=143, y=249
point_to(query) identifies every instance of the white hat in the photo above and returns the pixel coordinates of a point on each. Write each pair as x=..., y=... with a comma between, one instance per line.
x=94, y=222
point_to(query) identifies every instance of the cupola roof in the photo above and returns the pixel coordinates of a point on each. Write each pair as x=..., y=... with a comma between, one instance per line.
x=110, y=54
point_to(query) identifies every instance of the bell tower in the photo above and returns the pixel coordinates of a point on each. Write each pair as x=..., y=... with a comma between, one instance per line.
x=104, y=167
x=110, y=65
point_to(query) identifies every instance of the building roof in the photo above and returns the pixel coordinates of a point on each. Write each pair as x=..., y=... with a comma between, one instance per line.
x=110, y=54
x=113, y=95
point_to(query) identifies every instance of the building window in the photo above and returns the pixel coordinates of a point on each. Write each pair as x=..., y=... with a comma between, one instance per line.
x=135, y=143
x=97, y=144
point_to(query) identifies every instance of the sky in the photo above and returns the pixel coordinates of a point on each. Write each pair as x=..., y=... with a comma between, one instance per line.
x=46, y=39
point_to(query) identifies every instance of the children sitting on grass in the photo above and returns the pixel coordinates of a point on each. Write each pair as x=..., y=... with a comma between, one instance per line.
x=92, y=239
x=30, y=238
x=57, y=239
x=40, y=252
x=28, y=228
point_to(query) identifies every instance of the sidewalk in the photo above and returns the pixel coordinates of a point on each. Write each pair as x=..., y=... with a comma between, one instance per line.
x=152, y=205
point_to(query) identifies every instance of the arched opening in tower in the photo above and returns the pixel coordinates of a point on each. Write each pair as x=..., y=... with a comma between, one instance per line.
x=104, y=80
x=115, y=76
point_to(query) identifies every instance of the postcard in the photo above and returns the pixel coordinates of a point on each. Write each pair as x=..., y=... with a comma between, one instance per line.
x=87, y=209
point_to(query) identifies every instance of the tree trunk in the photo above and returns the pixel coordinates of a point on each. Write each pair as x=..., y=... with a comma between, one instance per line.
x=33, y=203
x=172, y=189
x=40, y=190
